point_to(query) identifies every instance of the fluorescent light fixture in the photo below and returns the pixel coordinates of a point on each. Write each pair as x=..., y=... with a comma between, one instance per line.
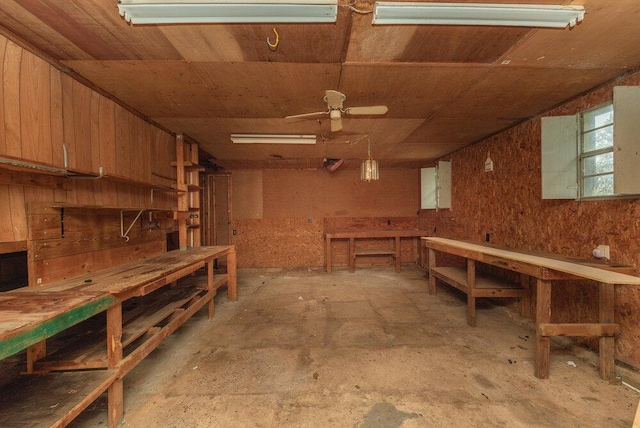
x=227, y=11
x=272, y=139
x=512, y=15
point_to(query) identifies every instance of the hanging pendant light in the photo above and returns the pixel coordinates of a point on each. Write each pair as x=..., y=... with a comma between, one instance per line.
x=369, y=167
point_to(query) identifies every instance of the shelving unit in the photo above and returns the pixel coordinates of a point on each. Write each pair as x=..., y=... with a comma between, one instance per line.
x=188, y=187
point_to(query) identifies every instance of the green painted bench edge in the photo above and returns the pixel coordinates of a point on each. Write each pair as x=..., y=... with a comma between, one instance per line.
x=54, y=325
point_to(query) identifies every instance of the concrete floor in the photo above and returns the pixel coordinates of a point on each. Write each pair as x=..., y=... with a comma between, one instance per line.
x=303, y=348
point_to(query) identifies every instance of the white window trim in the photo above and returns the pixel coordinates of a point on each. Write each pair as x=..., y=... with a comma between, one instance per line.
x=560, y=147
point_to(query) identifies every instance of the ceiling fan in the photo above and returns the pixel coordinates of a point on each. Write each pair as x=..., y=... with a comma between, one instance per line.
x=335, y=110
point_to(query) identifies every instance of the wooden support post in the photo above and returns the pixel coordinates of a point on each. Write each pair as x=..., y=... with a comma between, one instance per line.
x=183, y=203
x=232, y=275
x=606, y=303
x=210, y=287
x=352, y=255
x=525, y=301
x=398, y=255
x=35, y=353
x=328, y=254
x=115, y=393
x=471, y=299
x=543, y=316
x=432, y=278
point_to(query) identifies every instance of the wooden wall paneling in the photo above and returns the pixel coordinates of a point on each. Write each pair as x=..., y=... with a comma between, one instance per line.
x=92, y=240
x=125, y=198
x=3, y=138
x=106, y=138
x=143, y=146
x=57, y=124
x=109, y=193
x=35, y=109
x=85, y=192
x=81, y=122
x=68, y=130
x=134, y=149
x=18, y=215
x=122, y=142
x=6, y=225
x=11, y=93
x=94, y=131
x=163, y=148
x=82, y=264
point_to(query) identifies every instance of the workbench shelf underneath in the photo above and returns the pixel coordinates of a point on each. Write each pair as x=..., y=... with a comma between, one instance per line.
x=143, y=318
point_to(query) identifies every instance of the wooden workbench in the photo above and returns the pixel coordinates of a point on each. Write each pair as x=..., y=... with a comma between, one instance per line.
x=30, y=317
x=393, y=250
x=546, y=268
x=140, y=329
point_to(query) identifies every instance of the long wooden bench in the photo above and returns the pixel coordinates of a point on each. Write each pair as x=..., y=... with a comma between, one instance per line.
x=546, y=269
x=392, y=250
x=143, y=306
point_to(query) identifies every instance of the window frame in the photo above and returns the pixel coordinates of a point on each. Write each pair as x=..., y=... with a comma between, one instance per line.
x=582, y=155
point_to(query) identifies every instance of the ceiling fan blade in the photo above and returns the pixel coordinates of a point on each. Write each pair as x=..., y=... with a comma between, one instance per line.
x=366, y=110
x=336, y=124
x=317, y=113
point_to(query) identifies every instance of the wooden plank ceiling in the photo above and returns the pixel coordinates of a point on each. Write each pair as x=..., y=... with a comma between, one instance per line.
x=445, y=86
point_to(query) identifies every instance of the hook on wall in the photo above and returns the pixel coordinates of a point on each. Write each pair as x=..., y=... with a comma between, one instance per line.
x=274, y=46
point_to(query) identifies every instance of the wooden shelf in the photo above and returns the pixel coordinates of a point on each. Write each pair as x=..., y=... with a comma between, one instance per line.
x=486, y=285
x=53, y=399
x=374, y=252
x=140, y=316
x=189, y=166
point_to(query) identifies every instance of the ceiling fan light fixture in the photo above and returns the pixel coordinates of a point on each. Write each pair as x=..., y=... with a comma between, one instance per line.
x=227, y=11
x=492, y=14
x=369, y=167
x=272, y=139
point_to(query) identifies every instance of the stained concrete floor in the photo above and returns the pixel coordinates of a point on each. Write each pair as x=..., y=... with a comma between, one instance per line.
x=302, y=348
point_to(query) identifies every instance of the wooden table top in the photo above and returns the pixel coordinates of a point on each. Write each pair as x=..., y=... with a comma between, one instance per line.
x=120, y=279
x=31, y=315
x=547, y=261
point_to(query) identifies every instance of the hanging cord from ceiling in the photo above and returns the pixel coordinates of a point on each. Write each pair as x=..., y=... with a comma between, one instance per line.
x=360, y=11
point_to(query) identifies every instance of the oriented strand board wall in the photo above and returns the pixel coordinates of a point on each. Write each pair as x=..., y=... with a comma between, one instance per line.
x=293, y=193
x=507, y=204
x=42, y=112
x=299, y=205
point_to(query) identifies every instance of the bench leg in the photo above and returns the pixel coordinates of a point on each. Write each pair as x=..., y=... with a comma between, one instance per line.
x=543, y=316
x=232, y=284
x=398, y=255
x=328, y=255
x=432, y=279
x=471, y=310
x=115, y=396
x=115, y=393
x=606, y=303
x=210, y=278
x=525, y=301
x=471, y=299
x=352, y=255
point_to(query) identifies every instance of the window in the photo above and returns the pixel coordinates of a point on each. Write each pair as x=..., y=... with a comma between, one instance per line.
x=435, y=185
x=591, y=155
x=596, y=152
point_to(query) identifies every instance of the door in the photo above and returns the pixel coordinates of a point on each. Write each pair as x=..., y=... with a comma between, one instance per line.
x=218, y=210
